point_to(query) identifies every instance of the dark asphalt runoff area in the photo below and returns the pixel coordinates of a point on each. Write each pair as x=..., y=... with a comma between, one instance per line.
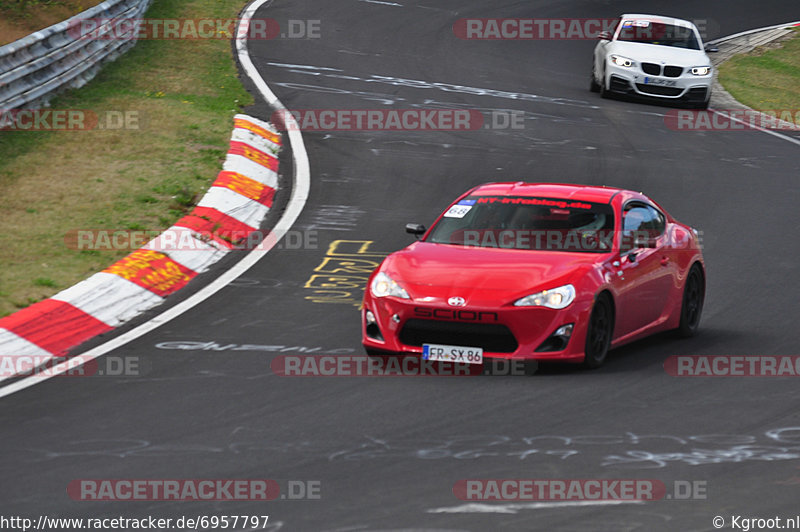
x=387, y=452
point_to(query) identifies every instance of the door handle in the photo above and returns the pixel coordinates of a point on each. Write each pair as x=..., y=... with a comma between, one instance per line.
x=664, y=261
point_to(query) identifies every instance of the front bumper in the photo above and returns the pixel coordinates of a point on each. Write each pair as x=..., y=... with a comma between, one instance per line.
x=403, y=326
x=634, y=81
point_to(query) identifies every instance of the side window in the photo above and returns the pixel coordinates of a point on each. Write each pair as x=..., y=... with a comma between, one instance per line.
x=638, y=221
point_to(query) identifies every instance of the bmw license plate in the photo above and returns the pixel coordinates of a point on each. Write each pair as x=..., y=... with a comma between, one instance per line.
x=452, y=353
x=659, y=81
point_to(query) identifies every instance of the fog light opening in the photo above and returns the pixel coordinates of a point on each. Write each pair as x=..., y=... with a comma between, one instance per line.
x=371, y=326
x=558, y=340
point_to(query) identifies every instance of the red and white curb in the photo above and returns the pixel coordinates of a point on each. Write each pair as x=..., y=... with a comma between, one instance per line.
x=232, y=209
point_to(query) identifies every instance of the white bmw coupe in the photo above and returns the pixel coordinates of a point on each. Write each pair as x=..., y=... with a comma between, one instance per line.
x=653, y=56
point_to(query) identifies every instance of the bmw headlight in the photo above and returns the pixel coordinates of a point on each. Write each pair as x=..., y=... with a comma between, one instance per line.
x=557, y=298
x=621, y=61
x=383, y=285
x=701, y=71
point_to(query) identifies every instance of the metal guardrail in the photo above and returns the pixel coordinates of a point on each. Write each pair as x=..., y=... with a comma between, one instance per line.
x=36, y=67
x=787, y=25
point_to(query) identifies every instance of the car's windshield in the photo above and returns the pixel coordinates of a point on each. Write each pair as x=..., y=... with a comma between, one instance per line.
x=526, y=223
x=644, y=31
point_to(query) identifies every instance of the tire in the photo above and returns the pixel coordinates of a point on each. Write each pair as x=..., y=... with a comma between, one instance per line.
x=593, y=85
x=598, y=333
x=694, y=291
x=604, y=92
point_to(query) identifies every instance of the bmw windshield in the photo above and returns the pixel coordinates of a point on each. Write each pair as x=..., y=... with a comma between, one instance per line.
x=526, y=223
x=646, y=32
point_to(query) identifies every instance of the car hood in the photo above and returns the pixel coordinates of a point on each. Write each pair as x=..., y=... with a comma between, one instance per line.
x=433, y=272
x=653, y=53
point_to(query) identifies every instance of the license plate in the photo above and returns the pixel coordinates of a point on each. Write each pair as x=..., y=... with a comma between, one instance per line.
x=452, y=353
x=659, y=81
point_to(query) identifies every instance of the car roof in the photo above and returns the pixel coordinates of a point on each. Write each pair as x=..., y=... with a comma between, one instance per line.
x=594, y=194
x=657, y=18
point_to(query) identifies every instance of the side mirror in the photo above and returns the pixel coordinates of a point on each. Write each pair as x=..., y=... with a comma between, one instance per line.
x=710, y=48
x=604, y=36
x=415, y=229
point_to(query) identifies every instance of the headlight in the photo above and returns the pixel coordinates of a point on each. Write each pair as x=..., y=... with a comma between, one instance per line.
x=701, y=71
x=621, y=61
x=383, y=285
x=556, y=298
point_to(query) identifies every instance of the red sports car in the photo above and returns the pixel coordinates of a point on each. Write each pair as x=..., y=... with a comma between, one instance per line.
x=532, y=271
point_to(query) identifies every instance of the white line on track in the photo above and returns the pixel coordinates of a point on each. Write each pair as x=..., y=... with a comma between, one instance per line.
x=300, y=189
x=512, y=508
x=787, y=138
x=393, y=4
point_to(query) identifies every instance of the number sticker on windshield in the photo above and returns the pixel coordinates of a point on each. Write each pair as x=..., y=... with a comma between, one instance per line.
x=457, y=211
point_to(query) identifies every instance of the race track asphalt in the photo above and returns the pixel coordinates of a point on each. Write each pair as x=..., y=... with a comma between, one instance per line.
x=388, y=451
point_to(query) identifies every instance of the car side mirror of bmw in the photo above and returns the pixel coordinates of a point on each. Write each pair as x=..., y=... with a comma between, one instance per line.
x=604, y=36
x=415, y=229
x=711, y=48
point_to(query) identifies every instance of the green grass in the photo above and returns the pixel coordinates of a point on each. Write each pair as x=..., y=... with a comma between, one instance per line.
x=18, y=18
x=184, y=93
x=767, y=78
x=22, y=8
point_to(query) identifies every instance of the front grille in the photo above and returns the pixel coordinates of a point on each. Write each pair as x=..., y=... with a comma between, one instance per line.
x=672, y=71
x=659, y=90
x=489, y=336
x=652, y=69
